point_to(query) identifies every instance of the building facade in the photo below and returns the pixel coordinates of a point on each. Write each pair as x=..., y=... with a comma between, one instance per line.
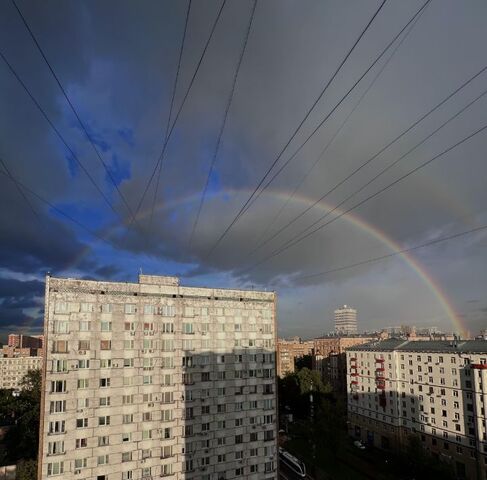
x=346, y=320
x=13, y=370
x=330, y=361
x=434, y=390
x=288, y=351
x=24, y=341
x=153, y=379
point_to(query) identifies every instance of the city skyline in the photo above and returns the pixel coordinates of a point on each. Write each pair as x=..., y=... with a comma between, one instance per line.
x=120, y=81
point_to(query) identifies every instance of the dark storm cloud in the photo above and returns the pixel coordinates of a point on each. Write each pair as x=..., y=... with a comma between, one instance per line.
x=117, y=63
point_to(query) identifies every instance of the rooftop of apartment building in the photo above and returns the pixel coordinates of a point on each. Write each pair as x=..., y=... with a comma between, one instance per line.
x=157, y=285
x=444, y=346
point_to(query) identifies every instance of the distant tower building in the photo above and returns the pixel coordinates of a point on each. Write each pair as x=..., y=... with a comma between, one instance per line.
x=346, y=320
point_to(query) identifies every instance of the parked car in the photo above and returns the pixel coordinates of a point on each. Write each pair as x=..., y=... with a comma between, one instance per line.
x=359, y=444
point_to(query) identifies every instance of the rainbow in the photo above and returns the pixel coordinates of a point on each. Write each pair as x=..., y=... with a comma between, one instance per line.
x=433, y=286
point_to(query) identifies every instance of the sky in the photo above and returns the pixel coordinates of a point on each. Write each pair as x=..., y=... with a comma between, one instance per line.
x=70, y=191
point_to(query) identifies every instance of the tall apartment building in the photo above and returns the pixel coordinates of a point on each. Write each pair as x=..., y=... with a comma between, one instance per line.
x=346, y=320
x=153, y=379
x=290, y=350
x=13, y=370
x=436, y=390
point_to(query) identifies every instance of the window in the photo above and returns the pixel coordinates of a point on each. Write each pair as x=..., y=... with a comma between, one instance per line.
x=55, y=448
x=58, y=406
x=103, y=441
x=105, y=363
x=84, y=326
x=60, y=346
x=80, y=463
x=106, y=326
x=58, y=386
x=105, y=345
x=81, y=443
x=83, y=363
x=128, y=418
x=57, y=427
x=126, y=436
x=105, y=420
x=104, y=401
x=238, y=439
x=81, y=422
x=188, y=328
x=130, y=308
x=104, y=382
x=55, y=468
x=126, y=457
x=102, y=459
x=61, y=326
x=83, y=383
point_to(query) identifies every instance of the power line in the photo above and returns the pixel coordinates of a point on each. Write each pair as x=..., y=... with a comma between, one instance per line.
x=21, y=192
x=253, y=197
x=59, y=135
x=21, y=185
x=382, y=150
x=224, y=122
x=181, y=50
x=330, y=113
x=166, y=141
x=262, y=240
x=296, y=240
x=397, y=252
x=73, y=109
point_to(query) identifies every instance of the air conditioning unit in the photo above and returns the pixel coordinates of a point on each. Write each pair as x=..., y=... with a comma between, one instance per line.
x=77, y=472
x=81, y=352
x=132, y=333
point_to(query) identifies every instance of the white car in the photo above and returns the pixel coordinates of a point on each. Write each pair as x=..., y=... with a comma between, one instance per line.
x=359, y=444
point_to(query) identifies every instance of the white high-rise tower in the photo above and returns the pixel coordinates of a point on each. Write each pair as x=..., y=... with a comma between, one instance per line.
x=346, y=320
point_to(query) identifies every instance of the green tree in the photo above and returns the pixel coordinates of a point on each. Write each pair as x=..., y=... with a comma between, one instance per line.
x=22, y=438
x=26, y=470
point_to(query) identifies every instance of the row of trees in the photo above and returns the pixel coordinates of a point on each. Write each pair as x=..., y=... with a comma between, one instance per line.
x=20, y=414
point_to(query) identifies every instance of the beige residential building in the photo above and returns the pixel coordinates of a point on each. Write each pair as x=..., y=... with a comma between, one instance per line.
x=330, y=361
x=435, y=390
x=288, y=351
x=13, y=370
x=153, y=379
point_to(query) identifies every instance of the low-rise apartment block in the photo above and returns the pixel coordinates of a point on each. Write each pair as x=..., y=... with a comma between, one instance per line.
x=330, y=361
x=13, y=370
x=153, y=379
x=288, y=351
x=436, y=390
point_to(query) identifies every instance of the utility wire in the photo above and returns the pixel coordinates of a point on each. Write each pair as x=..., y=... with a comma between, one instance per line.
x=397, y=252
x=21, y=185
x=263, y=240
x=59, y=135
x=73, y=109
x=296, y=240
x=382, y=150
x=21, y=192
x=166, y=141
x=174, y=89
x=254, y=194
x=350, y=90
x=224, y=122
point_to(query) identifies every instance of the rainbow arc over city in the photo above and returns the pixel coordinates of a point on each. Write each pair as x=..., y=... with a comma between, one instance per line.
x=303, y=201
